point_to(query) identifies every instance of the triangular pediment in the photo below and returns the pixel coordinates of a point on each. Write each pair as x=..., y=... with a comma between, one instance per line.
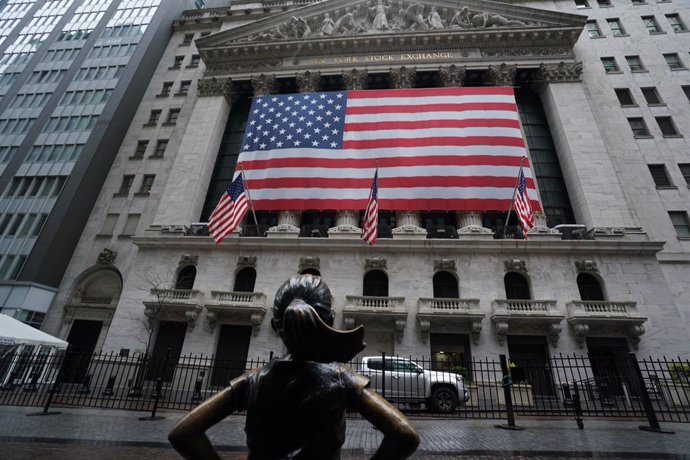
x=344, y=18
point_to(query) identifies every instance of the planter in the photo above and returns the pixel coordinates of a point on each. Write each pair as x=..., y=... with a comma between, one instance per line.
x=676, y=394
x=521, y=393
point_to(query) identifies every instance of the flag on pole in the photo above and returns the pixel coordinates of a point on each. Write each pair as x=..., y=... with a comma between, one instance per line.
x=371, y=215
x=229, y=211
x=523, y=207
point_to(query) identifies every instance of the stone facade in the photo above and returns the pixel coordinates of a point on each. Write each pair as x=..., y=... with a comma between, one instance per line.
x=640, y=262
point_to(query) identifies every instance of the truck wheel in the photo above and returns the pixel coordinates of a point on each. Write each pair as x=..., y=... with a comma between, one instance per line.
x=444, y=400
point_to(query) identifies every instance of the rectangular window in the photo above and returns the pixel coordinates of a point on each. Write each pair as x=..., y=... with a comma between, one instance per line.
x=638, y=2
x=638, y=126
x=172, y=116
x=15, y=224
x=195, y=61
x=616, y=27
x=679, y=219
x=660, y=175
x=604, y=3
x=126, y=185
x=39, y=225
x=684, y=169
x=651, y=24
x=140, y=150
x=673, y=61
x=188, y=38
x=635, y=63
x=153, y=118
x=131, y=225
x=177, y=63
x=28, y=223
x=624, y=96
x=593, y=29
x=676, y=23
x=109, y=224
x=610, y=64
x=161, y=145
x=668, y=128
x=184, y=87
x=147, y=184
x=580, y=4
x=651, y=95
x=686, y=91
x=167, y=87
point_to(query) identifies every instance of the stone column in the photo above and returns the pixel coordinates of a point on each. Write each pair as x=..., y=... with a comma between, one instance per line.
x=595, y=192
x=187, y=184
x=470, y=225
x=346, y=222
x=409, y=225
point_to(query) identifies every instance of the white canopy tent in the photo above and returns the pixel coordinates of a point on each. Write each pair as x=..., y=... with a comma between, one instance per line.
x=14, y=332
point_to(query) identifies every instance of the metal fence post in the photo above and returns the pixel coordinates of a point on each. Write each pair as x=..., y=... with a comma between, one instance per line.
x=646, y=400
x=54, y=387
x=577, y=406
x=383, y=375
x=507, y=382
x=158, y=390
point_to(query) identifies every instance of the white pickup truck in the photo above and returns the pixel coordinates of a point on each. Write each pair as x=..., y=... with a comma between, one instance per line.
x=407, y=382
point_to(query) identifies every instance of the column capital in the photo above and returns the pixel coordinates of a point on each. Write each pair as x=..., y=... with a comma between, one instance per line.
x=207, y=87
x=403, y=77
x=263, y=84
x=503, y=75
x=356, y=79
x=559, y=73
x=452, y=76
x=308, y=82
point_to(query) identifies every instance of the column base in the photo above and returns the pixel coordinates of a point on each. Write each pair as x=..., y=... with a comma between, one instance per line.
x=474, y=232
x=345, y=232
x=543, y=233
x=409, y=232
x=283, y=231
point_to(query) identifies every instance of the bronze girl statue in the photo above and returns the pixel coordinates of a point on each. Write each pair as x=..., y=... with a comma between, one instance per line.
x=296, y=404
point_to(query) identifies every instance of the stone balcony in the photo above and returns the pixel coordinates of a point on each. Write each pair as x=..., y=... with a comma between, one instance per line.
x=449, y=315
x=518, y=315
x=174, y=304
x=605, y=317
x=242, y=308
x=377, y=313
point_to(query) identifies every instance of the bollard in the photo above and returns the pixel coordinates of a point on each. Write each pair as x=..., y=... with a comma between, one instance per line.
x=646, y=401
x=507, y=383
x=196, y=397
x=85, y=384
x=109, y=386
x=54, y=388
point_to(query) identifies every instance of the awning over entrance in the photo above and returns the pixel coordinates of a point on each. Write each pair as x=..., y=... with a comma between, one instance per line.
x=13, y=332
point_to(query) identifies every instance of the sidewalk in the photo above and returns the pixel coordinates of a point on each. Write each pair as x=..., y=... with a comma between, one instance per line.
x=103, y=433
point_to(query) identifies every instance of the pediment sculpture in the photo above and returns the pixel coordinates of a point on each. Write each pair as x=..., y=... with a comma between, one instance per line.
x=386, y=17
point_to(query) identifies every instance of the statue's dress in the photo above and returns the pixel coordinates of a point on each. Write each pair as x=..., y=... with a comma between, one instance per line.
x=296, y=409
x=380, y=21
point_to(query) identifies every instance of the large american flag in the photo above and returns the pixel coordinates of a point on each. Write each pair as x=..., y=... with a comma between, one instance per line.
x=371, y=214
x=229, y=211
x=523, y=207
x=437, y=149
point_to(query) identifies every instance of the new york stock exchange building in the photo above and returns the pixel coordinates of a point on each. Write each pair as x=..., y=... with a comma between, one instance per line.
x=602, y=98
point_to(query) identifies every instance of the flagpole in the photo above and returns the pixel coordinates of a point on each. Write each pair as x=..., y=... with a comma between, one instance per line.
x=249, y=197
x=517, y=183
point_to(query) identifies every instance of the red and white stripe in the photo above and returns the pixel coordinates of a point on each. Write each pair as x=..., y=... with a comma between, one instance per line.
x=437, y=149
x=227, y=216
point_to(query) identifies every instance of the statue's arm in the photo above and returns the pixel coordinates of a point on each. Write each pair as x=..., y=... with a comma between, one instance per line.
x=189, y=436
x=400, y=439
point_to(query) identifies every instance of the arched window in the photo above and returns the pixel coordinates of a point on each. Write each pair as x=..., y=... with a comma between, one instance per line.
x=310, y=271
x=245, y=280
x=517, y=286
x=445, y=286
x=375, y=284
x=589, y=287
x=186, y=277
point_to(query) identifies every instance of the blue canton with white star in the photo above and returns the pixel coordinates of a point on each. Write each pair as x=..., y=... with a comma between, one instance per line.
x=303, y=120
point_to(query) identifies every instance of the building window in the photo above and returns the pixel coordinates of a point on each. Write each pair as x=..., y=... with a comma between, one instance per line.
x=673, y=61
x=651, y=24
x=126, y=184
x=638, y=2
x=635, y=63
x=679, y=219
x=140, y=150
x=593, y=29
x=146, y=184
x=604, y=3
x=686, y=91
x=685, y=171
x=184, y=87
x=177, y=62
x=651, y=95
x=616, y=27
x=153, y=118
x=172, y=116
x=109, y=224
x=660, y=175
x=161, y=145
x=245, y=280
x=517, y=287
x=610, y=65
x=580, y=4
x=188, y=39
x=131, y=225
x=375, y=284
x=676, y=23
x=589, y=287
x=625, y=96
x=445, y=286
x=638, y=126
x=167, y=87
x=668, y=128
x=186, y=278
x=195, y=61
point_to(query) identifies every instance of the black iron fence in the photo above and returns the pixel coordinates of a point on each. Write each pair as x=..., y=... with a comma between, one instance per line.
x=563, y=385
